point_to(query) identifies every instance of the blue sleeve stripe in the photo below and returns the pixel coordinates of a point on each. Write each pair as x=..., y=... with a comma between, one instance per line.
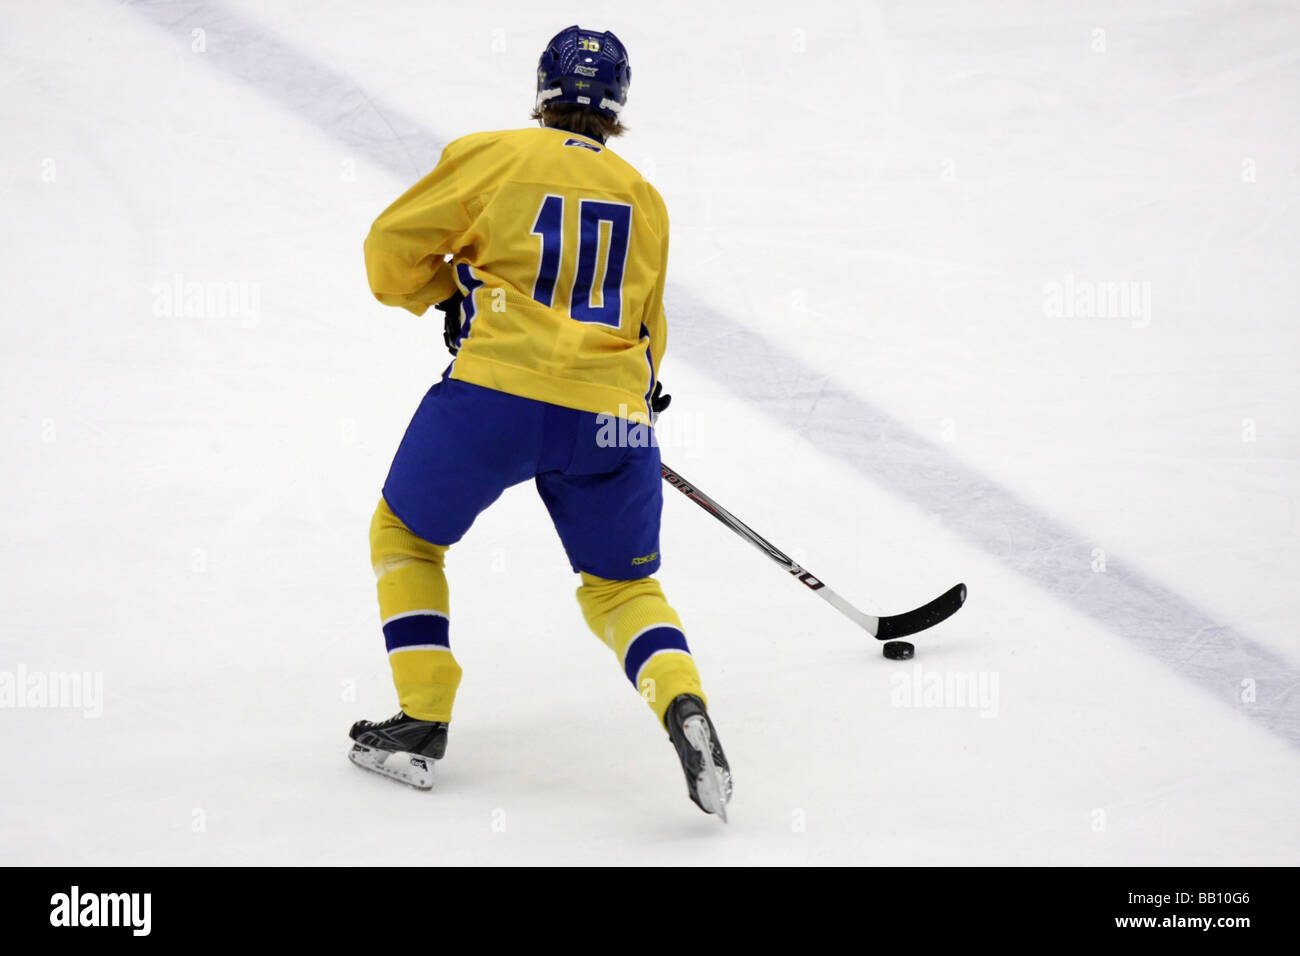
x=469, y=284
x=650, y=361
x=648, y=643
x=417, y=630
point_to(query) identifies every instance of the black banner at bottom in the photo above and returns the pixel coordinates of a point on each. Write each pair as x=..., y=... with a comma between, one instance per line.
x=1227, y=906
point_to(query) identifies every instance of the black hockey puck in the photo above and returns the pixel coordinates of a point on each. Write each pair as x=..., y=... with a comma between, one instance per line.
x=899, y=650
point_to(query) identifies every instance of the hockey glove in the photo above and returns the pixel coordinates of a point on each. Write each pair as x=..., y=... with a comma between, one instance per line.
x=658, y=400
x=450, y=309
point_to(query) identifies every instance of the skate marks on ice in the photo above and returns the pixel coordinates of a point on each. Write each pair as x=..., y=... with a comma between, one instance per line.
x=309, y=89
x=989, y=516
x=753, y=367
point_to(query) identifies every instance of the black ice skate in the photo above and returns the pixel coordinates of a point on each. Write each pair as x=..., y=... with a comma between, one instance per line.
x=400, y=748
x=708, y=777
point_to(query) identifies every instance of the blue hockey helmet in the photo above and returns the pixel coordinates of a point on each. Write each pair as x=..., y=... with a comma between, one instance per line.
x=584, y=67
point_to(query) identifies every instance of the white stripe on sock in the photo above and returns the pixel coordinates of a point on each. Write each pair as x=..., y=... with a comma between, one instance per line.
x=637, y=636
x=419, y=647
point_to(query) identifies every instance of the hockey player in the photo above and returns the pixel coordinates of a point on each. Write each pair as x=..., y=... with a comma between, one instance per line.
x=546, y=253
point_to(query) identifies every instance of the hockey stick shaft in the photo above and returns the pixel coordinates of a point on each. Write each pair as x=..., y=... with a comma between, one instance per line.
x=881, y=628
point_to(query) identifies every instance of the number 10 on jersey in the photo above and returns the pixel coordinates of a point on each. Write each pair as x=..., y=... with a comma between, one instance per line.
x=592, y=214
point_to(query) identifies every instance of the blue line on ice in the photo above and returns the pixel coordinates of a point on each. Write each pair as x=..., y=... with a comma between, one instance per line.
x=985, y=514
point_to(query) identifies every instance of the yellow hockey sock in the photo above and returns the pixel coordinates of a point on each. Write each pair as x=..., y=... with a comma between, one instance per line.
x=414, y=608
x=636, y=622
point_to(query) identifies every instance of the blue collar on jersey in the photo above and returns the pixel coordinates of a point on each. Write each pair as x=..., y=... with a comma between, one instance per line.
x=599, y=139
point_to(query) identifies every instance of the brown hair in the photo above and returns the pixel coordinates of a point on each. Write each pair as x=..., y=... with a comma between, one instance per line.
x=582, y=120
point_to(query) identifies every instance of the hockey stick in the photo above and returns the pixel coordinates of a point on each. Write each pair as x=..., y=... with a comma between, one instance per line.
x=881, y=628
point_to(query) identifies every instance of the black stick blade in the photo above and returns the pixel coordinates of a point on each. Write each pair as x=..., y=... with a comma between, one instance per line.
x=928, y=615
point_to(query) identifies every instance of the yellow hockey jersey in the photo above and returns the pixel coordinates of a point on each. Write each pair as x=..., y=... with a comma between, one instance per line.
x=560, y=248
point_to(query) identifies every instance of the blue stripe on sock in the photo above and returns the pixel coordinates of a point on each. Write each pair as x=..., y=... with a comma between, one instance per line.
x=417, y=629
x=652, y=641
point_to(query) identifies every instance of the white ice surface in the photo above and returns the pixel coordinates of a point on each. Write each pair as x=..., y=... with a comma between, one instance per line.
x=884, y=189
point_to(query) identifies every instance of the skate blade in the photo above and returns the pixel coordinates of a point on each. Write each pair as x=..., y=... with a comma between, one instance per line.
x=713, y=785
x=414, y=770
